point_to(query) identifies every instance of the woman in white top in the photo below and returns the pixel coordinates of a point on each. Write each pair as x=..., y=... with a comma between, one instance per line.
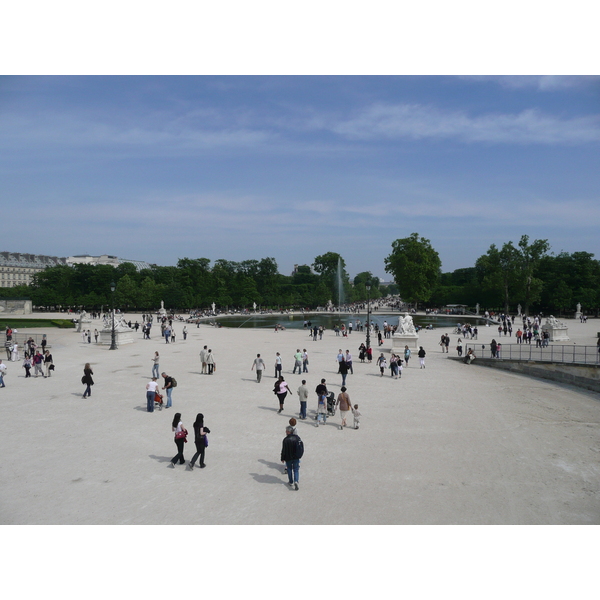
x=180, y=435
x=210, y=361
x=15, y=352
x=155, y=360
x=151, y=394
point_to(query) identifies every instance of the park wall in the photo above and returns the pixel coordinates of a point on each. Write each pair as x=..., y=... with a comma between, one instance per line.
x=584, y=376
x=15, y=306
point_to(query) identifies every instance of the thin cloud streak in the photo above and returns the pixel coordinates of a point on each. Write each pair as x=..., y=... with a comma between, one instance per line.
x=413, y=121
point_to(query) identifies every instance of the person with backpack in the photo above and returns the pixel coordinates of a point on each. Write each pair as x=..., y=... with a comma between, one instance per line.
x=292, y=451
x=170, y=383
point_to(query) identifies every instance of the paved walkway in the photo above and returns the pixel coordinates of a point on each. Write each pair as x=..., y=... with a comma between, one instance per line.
x=448, y=444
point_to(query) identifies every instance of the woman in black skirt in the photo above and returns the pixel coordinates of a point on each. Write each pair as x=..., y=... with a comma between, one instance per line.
x=200, y=440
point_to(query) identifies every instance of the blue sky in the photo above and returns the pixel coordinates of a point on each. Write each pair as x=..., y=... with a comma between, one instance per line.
x=238, y=167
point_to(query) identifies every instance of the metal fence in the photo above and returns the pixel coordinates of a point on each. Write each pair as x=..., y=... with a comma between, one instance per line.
x=583, y=355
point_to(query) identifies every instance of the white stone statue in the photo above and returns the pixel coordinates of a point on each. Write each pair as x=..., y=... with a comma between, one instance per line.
x=579, y=307
x=83, y=318
x=406, y=325
x=552, y=321
x=213, y=306
x=519, y=310
x=477, y=308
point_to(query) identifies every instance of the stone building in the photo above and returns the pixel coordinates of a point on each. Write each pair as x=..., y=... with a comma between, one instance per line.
x=106, y=259
x=19, y=269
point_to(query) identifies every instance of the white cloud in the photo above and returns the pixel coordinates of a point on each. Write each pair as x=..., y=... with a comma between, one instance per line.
x=415, y=121
x=543, y=83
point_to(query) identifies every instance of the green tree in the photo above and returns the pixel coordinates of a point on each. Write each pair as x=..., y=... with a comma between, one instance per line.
x=497, y=272
x=415, y=266
x=528, y=262
x=331, y=268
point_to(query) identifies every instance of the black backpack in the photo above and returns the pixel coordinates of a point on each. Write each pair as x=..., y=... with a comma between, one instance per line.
x=299, y=447
x=173, y=382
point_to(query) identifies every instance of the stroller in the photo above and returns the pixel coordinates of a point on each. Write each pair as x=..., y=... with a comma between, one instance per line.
x=158, y=401
x=331, y=404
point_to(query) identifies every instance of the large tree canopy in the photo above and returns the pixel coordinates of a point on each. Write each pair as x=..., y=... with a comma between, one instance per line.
x=415, y=266
x=512, y=271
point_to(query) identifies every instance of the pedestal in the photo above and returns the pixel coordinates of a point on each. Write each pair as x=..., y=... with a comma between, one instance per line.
x=121, y=337
x=399, y=341
x=557, y=334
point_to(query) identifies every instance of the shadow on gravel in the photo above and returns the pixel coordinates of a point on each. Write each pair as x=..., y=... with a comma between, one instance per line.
x=162, y=459
x=266, y=478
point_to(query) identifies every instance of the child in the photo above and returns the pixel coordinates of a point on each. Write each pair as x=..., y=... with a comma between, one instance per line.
x=356, y=414
x=27, y=366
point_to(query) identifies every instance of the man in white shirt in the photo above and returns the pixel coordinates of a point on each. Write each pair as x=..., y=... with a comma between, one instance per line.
x=203, y=355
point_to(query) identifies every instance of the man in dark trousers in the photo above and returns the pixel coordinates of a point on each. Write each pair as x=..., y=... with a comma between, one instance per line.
x=292, y=450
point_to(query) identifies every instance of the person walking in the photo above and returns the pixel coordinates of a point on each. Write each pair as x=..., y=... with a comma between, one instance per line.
x=151, y=388
x=48, y=363
x=169, y=385
x=259, y=365
x=394, y=366
x=349, y=362
x=203, y=354
x=278, y=365
x=494, y=348
x=321, y=391
x=27, y=366
x=200, y=440
x=357, y=415
x=2, y=373
x=184, y=332
x=297, y=362
x=38, y=359
x=459, y=347
x=280, y=390
x=421, y=355
x=155, y=360
x=180, y=439
x=382, y=362
x=292, y=450
x=343, y=401
x=343, y=370
x=304, y=361
x=87, y=380
x=210, y=362
x=303, y=396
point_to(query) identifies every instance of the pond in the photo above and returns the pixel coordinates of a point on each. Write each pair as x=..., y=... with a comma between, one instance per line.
x=329, y=320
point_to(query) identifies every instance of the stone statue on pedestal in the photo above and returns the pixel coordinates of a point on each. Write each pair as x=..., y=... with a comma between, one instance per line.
x=406, y=325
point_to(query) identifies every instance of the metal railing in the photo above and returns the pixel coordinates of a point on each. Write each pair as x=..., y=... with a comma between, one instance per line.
x=583, y=355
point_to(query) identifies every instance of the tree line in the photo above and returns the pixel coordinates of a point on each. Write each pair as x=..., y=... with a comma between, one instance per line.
x=196, y=284
x=525, y=273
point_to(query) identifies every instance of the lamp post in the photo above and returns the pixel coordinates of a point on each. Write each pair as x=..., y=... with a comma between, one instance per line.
x=113, y=343
x=368, y=286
